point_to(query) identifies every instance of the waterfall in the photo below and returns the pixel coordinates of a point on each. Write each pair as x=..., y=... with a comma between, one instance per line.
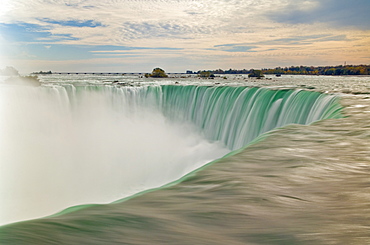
x=237, y=115
x=68, y=145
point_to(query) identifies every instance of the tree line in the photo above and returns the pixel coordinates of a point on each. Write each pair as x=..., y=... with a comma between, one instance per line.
x=301, y=70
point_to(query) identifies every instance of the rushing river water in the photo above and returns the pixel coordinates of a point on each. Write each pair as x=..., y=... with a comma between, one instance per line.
x=72, y=144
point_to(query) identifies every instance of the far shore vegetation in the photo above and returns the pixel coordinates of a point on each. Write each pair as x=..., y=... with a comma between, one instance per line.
x=42, y=72
x=340, y=70
x=157, y=73
x=256, y=73
x=206, y=74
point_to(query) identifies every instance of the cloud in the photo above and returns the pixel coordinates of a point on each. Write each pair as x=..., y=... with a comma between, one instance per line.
x=208, y=32
x=235, y=48
x=304, y=40
x=337, y=13
x=161, y=30
x=25, y=32
x=73, y=23
x=293, y=41
x=120, y=49
x=131, y=19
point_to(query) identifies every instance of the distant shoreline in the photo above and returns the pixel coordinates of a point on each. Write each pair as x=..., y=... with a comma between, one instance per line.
x=346, y=70
x=303, y=70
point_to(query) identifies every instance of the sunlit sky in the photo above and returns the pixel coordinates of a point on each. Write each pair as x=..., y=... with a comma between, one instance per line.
x=180, y=35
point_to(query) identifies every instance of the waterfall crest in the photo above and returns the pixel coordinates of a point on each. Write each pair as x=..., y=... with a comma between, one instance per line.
x=68, y=145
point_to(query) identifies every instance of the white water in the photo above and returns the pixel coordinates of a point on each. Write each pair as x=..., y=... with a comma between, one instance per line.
x=57, y=151
x=64, y=145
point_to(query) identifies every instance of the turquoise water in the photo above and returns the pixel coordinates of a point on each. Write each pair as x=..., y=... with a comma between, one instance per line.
x=237, y=115
x=295, y=185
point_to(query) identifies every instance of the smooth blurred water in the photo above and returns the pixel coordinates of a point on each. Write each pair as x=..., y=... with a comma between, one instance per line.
x=63, y=146
x=298, y=185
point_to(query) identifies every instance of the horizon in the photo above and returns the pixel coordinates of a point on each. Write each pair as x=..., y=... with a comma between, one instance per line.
x=194, y=72
x=45, y=72
x=137, y=36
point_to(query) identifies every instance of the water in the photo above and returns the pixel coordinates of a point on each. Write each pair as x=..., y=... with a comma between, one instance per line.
x=70, y=145
x=296, y=185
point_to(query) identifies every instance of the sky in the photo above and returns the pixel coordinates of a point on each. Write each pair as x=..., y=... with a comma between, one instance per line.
x=180, y=35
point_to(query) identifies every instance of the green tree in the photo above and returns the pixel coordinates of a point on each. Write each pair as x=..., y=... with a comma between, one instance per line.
x=157, y=72
x=206, y=74
x=256, y=73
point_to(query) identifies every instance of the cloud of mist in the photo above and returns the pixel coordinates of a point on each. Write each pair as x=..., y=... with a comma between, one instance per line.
x=57, y=151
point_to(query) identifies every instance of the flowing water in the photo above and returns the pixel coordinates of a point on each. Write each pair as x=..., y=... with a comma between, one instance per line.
x=125, y=149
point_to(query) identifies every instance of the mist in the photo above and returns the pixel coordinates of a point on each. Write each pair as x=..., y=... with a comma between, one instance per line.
x=62, y=146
